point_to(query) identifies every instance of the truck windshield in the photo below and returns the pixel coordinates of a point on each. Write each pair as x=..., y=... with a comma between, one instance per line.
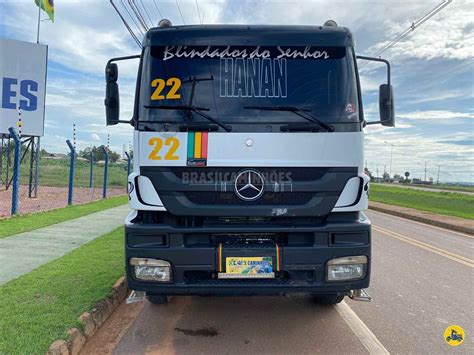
x=228, y=79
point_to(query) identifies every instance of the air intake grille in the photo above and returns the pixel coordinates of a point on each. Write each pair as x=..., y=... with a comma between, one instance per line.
x=229, y=198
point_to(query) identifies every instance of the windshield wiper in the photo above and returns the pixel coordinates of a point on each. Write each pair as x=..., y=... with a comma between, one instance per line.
x=297, y=111
x=194, y=109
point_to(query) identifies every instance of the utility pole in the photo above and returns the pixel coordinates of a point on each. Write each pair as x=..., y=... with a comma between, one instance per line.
x=377, y=171
x=39, y=21
x=425, y=170
x=391, y=155
x=437, y=180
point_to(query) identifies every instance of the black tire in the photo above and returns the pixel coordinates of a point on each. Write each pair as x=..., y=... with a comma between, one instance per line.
x=158, y=299
x=329, y=299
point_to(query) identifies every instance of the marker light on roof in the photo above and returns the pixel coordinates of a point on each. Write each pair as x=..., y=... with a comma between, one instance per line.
x=165, y=23
x=330, y=23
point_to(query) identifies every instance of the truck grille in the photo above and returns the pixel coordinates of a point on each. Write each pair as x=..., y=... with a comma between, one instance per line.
x=229, y=198
x=288, y=191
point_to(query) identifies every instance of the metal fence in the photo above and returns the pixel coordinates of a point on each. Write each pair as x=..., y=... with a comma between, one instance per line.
x=62, y=179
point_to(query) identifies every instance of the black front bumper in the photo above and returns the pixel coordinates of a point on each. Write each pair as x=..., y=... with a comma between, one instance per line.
x=193, y=255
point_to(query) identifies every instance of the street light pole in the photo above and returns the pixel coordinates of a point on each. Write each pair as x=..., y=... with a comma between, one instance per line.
x=39, y=20
x=391, y=155
x=425, y=170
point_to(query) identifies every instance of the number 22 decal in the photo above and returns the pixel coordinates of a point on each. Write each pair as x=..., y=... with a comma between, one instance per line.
x=159, y=84
x=157, y=144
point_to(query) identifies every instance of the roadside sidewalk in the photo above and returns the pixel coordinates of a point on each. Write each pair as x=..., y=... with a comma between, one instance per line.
x=434, y=219
x=24, y=252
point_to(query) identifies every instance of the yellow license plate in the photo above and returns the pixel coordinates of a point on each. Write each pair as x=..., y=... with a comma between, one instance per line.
x=249, y=265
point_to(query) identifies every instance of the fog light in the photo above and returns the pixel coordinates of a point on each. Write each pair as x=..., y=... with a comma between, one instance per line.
x=151, y=269
x=346, y=268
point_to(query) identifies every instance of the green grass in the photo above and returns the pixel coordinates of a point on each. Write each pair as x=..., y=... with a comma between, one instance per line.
x=450, y=187
x=447, y=203
x=41, y=306
x=28, y=222
x=56, y=173
x=455, y=188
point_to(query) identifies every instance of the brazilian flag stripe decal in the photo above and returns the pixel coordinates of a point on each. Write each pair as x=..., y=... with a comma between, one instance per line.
x=197, y=145
x=190, y=145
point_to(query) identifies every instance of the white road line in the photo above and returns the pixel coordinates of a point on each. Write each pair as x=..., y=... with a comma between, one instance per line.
x=421, y=223
x=365, y=335
x=447, y=254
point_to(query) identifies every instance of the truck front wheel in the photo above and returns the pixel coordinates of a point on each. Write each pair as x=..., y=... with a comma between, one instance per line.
x=329, y=299
x=158, y=299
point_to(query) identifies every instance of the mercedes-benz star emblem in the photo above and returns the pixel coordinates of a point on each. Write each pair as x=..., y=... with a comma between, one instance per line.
x=249, y=185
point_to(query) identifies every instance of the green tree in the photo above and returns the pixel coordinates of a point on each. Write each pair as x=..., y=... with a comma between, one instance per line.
x=98, y=153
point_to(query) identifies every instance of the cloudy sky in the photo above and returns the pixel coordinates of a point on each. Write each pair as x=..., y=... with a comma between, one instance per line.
x=432, y=70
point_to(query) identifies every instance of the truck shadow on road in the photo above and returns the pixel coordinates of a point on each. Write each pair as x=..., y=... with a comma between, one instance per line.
x=238, y=325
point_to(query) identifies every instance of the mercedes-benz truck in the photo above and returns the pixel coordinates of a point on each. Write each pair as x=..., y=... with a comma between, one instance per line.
x=248, y=174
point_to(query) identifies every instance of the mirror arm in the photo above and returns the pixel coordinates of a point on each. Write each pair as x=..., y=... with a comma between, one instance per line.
x=116, y=59
x=373, y=59
x=389, y=75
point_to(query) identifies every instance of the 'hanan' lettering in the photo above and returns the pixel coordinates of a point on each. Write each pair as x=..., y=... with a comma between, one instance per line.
x=257, y=77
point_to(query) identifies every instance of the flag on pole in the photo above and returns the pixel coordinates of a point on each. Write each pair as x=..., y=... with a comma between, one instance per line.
x=47, y=6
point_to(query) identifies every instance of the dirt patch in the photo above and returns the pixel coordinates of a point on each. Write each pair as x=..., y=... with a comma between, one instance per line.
x=201, y=332
x=107, y=337
x=50, y=198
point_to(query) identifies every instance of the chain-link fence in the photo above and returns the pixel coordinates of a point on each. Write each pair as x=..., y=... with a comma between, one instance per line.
x=89, y=179
x=45, y=184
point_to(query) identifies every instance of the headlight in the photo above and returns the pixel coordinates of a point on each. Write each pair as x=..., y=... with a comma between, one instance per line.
x=151, y=269
x=347, y=268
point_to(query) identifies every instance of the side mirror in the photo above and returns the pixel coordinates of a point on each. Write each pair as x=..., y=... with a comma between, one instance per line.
x=112, y=101
x=111, y=73
x=386, y=105
x=386, y=101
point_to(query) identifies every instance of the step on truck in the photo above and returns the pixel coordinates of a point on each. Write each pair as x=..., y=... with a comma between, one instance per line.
x=248, y=155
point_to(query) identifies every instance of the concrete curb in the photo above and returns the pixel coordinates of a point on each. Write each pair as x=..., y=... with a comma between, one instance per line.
x=91, y=321
x=426, y=220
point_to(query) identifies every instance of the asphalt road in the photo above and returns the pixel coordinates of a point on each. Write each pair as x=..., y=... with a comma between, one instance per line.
x=422, y=282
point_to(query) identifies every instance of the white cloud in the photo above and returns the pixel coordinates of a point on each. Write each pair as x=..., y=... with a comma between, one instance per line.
x=448, y=34
x=410, y=152
x=95, y=137
x=369, y=84
x=435, y=115
x=425, y=97
x=80, y=38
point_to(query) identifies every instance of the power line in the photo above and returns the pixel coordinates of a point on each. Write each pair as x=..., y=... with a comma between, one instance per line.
x=179, y=9
x=138, y=15
x=415, y=25
x=139, y=12
x=412, y=28
x=137, y=25
x=157, y=9
x=126, y=25
x=146, y=12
